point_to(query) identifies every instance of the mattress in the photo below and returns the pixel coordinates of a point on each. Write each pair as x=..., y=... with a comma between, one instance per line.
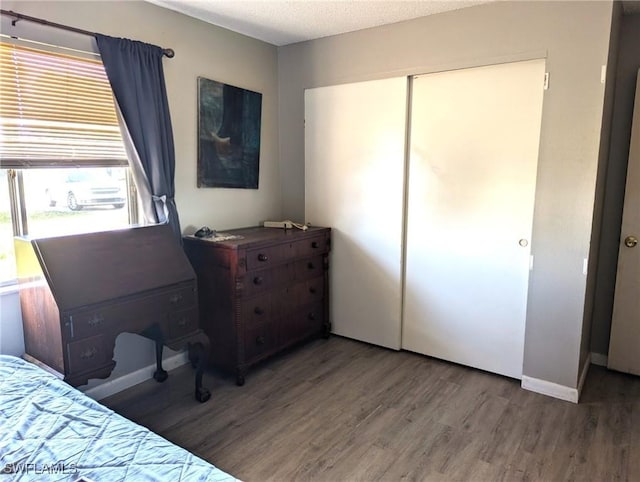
x=51, y=431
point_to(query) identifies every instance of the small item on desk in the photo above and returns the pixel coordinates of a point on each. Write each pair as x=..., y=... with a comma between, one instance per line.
x=207, y=234
x=204, y=232
x=288, y=224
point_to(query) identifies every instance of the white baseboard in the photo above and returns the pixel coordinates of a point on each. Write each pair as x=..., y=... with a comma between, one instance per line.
x=599, y=359
x=556, y=390
x=116, y=385
x=550, y=389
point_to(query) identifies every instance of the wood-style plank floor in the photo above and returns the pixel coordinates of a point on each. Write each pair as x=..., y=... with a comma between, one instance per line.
x=341, y=410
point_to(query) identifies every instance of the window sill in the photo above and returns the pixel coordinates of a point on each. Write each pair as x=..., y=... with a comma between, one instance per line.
x=9, y=287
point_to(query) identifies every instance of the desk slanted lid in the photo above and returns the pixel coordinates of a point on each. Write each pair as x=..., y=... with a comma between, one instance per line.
x=90, y=268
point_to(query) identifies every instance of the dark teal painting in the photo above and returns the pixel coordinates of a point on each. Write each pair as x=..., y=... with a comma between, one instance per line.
x=228, y=135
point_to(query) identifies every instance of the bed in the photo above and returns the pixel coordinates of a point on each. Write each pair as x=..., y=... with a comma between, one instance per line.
x=51, y=431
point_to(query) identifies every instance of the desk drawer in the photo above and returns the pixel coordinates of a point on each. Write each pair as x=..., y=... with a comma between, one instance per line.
x=182, y=323
x=177, y=299
x=133, y=315
x=87, y=354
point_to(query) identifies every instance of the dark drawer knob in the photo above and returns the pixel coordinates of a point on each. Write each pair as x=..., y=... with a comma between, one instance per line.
x=95, y=320
x=257, y=280
x=260, y=340
x=89, y=353
x=310, y=265
x=176, y=298
x=314, y=244
x=313, y=290
x=182, y=321
x=263, y=257
x=258, y=311
x=312, y=316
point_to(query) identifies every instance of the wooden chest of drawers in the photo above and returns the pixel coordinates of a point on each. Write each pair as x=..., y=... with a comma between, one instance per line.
x=261, y=292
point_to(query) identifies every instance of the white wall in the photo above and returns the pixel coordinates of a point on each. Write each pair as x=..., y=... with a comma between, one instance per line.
x=201, y=50
x=574, y=39
x=11, y=338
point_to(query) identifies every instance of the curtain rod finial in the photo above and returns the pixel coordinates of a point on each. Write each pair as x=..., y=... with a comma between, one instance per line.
x=169, y=53
x=16, y=19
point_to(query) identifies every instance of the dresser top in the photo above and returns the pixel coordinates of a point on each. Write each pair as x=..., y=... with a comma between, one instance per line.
x=256, y=236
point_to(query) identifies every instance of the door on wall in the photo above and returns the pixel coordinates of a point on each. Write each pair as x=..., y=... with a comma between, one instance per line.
x=473, y=161
x=624, y=345
x=355, y=139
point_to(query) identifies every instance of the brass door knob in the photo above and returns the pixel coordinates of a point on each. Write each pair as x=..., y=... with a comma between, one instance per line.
x=630, y=241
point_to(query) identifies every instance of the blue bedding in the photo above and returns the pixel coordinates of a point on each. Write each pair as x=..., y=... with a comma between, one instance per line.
x=51, y=431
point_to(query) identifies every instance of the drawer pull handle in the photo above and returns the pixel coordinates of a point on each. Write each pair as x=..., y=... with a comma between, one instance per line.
x=258, y=311
x=89, y=353
x=310, y=265
x=314, y=245
x=312, y=316
x=177, y=298
x=260, y=340
x=312, y=290
x=257, y=280
x=263, y=257
x=95, y=320
x=182, y=321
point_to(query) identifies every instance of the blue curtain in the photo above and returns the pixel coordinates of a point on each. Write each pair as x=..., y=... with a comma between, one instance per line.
x=135, y=72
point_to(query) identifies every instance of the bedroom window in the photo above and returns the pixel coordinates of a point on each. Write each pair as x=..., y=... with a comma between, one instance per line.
x=63, y=166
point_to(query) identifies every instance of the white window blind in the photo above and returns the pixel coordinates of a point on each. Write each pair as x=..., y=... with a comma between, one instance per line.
x=56, y=110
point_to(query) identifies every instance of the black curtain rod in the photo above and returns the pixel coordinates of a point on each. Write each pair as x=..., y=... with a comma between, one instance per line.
x=18, y=16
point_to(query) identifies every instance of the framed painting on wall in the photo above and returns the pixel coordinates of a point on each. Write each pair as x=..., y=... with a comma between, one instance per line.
x=229, y=121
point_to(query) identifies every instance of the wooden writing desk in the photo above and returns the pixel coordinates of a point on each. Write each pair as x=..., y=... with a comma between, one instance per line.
x=79, y=292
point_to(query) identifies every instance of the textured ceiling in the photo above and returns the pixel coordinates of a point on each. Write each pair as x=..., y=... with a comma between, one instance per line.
x=282, y=22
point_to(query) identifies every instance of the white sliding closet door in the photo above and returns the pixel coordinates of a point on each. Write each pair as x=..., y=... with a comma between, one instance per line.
x=473, y=161
x=354, y=183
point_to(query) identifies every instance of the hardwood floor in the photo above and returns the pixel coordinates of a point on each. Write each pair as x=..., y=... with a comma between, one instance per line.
x=340, y=410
